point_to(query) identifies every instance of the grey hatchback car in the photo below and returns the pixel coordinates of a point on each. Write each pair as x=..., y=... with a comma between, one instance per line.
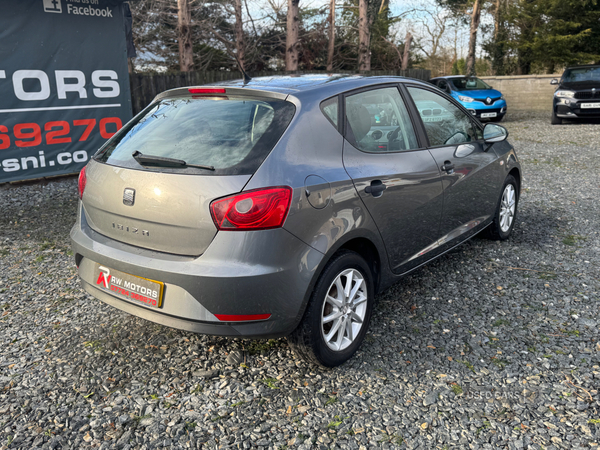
x=282, y=206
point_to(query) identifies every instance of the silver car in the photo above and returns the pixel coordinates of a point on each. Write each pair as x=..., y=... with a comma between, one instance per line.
x=282, y=206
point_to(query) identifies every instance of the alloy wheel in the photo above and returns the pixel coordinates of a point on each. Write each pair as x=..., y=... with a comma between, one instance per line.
x=344, y=309
x=507, y=208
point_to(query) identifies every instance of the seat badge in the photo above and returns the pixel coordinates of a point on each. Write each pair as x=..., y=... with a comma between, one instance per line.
x=128, y=196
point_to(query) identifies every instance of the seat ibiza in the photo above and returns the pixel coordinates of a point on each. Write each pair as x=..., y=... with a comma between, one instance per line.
x=282, y=206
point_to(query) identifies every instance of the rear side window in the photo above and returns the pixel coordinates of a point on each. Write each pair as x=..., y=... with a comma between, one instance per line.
x=330, y=109
x=378, y=121
x=232, y=134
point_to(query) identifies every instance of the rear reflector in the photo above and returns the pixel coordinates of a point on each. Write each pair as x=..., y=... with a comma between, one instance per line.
x=206, y=91
x=260, y=209
x=81, y=182
x=241, y=317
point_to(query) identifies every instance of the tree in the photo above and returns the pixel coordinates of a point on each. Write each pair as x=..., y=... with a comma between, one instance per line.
x=331, y=44
x=364, y=36
x=475, y=19
x=460, y=8
x=291, y=43
x=406, y=54
x=184, y=35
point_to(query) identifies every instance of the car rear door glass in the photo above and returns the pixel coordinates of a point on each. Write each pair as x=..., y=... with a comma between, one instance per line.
x=330, y=109
x=232, y=134
x=378, y=121
x=445, y=123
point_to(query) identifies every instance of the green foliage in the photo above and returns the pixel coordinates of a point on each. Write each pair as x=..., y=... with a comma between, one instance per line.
x=545, y=35
x=459, y=67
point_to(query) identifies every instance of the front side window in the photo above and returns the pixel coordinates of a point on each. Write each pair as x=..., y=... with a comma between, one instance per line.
x=231, y=134
x=445, y=123
x=378, y=121
x=443, y=85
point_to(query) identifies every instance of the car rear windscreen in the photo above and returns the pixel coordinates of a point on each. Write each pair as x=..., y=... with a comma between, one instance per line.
x=232, y=134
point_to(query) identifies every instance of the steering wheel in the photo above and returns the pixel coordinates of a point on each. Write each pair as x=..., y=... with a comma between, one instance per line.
x=394, y=134
x=457, y=138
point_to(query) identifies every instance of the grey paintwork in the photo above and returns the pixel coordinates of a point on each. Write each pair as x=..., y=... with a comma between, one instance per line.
x=423, y=212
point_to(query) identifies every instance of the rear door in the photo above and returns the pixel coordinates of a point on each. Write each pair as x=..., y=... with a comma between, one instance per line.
x=466, y=163
x=397, y=179
x=156, y=202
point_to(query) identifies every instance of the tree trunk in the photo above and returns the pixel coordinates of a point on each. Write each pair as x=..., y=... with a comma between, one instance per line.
x=455, y=54
x=184, y=35
x=364, y=37
x=497, y=20
x=291, y=42
x=239, y=35
x=406, y=54
x=331, y=46
x=475, y=18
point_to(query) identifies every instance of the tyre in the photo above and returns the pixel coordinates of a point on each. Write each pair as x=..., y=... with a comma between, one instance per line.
x=506, y=211
x=337, y=316
x=555, y=120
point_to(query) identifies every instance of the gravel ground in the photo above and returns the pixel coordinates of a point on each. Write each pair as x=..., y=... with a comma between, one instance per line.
x=495, y=345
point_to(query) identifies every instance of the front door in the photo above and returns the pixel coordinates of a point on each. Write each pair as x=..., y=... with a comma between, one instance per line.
x=466, y=164
x=397, y=178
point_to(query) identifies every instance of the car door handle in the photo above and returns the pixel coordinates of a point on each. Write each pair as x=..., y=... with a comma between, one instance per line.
x=448, y=167
x=376, y=188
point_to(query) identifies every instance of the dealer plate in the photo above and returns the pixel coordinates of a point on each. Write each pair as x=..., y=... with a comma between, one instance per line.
x=485, y=115
x=129, y=287
x=589, y=105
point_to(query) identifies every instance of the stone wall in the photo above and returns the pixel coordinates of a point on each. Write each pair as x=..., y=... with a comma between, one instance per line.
x=525, y=92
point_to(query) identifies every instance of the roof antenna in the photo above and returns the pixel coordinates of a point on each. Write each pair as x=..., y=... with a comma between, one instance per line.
x=247, y=78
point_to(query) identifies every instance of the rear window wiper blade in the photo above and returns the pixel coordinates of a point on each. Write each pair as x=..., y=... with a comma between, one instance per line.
x=161, y=161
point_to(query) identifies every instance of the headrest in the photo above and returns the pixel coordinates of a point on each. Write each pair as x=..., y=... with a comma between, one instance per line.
x=360, y=121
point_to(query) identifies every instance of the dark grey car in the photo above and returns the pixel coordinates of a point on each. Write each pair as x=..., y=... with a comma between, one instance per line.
x=284, y=205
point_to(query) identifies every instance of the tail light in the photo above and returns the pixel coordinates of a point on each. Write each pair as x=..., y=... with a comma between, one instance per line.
x=259, y=209
x=81, y=182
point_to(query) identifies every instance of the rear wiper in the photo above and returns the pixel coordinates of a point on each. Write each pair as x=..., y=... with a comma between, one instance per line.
x=161, y=161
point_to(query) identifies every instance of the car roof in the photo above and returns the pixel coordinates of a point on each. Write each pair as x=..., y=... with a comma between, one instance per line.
x=445, y=77
x=280, y=86
x=582, y=66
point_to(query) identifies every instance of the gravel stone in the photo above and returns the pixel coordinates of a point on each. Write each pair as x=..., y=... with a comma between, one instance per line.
x=493, y=345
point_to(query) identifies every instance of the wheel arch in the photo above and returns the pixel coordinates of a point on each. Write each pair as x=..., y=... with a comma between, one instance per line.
x=372, y=251
x=516, y=173
x=368, y=251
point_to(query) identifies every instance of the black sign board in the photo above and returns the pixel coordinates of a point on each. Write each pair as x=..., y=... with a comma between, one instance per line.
x=64, y=85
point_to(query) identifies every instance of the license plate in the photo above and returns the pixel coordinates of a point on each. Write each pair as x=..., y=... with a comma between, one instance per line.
x=129, y=287
x=589, y=105
x=484, y=115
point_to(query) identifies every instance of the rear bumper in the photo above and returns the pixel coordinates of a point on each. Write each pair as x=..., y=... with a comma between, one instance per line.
x=241, y=273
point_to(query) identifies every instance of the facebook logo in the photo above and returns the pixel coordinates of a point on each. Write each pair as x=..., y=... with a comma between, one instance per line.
x=52, y=6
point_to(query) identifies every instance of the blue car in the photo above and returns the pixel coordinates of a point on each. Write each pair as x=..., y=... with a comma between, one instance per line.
x=478, y=97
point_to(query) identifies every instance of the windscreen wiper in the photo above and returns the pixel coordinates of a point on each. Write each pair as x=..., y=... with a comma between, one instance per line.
x=161, y=161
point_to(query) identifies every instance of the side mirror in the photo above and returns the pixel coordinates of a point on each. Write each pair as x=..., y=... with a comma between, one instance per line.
x=494, y=133
x=554, y=81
